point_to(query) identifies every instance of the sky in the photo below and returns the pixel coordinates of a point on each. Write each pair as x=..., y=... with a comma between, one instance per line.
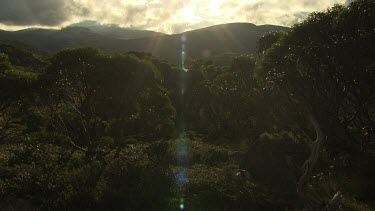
x=167, y=16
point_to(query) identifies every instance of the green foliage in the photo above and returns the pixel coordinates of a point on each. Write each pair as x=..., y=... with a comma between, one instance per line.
x=323, y=68
x=87, y=107
x=15, y=84
x=267, y=40
x=96, y=131
x=217, y=188
x=15, y=96
x=44, y=172
x=322, y=75
x=274, y=161
x=22, y=57
x=133, y=178
x=221, y=101
x=93, y=95
x=4, y=62
x=199, y=152
x=353, y=205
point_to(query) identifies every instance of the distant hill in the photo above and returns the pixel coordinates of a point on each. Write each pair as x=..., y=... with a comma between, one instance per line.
x=238, y=38
x=115, y=31
x=54, y=40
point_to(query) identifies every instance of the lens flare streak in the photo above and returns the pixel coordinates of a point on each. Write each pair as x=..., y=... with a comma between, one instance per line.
x=181, y=145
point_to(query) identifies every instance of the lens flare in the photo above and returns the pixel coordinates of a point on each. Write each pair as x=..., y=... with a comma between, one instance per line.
x=181, y=142
x=181, y=178
x=182, y=206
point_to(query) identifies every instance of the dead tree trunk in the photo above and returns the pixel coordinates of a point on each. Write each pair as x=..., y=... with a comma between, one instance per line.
x=309, y=197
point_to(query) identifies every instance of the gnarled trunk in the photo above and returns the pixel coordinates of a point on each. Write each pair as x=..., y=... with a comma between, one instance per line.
x=309, y=197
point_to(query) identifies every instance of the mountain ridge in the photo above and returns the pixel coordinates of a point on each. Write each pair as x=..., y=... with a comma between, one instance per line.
x=116, y=31
x=239, y=38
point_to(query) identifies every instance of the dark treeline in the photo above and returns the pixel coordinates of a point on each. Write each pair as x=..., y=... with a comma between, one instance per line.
x=289, y=128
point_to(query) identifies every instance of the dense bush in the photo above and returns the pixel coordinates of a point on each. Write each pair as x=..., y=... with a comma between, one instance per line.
x=43, y=172
x=285, y=129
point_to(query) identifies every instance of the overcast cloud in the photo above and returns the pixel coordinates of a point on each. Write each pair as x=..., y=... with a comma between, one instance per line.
x=168, y=16
x=39, y=12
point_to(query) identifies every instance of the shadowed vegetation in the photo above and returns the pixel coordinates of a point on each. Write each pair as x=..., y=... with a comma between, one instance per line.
x=290, y=127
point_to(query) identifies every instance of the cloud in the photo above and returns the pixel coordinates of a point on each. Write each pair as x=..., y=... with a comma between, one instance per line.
x=158, y=15
x=169, y=16
x=39, y=12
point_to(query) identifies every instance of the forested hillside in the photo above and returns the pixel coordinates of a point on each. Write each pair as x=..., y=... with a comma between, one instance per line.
x=115, y=31
x=238, y=38
x=290, y=127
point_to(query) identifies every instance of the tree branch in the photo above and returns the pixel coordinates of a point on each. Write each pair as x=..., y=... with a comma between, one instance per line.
x=309, y=165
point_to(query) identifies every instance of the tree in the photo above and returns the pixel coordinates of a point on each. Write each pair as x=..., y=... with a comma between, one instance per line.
x=16, y=92
x=221, y=101
x=4, y=62
x=267, y=40
x=324, y=70
x=68, y=92
x=91, y=95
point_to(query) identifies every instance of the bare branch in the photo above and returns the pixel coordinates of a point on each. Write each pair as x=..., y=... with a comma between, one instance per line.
x=78, y=147
x=309, y=165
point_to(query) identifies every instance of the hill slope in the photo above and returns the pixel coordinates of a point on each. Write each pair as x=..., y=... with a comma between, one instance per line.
x=215, y=40
x=115, y=31
x=237, y=38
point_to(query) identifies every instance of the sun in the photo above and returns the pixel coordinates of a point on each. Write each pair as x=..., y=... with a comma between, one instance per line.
x=215, y=4
x=188, y=15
